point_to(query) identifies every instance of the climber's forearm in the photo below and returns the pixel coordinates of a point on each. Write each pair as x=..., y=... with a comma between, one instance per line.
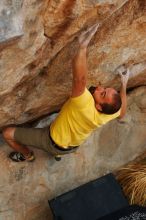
x=124, y=101
x=124, y=81
x=80, y=64
x=79, y=72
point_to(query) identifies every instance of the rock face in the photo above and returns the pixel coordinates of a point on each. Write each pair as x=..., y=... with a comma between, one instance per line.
x=38, y=40
x=33, y=80
x=10, y=19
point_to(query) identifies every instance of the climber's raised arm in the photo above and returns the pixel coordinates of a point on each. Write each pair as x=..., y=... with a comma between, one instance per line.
x=79, y=65
x=124, y=81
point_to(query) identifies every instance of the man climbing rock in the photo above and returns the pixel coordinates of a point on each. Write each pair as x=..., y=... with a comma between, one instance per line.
x=82, y=113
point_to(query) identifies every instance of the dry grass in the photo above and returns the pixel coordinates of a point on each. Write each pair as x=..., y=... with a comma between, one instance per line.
x=133, y=181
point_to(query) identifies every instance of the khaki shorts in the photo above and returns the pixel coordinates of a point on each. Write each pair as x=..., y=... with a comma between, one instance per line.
x=38, y=138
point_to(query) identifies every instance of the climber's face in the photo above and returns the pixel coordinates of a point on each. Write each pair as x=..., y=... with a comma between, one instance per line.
x=103, y=95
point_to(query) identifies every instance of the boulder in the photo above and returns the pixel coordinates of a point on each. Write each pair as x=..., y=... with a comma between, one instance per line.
x=33, y=80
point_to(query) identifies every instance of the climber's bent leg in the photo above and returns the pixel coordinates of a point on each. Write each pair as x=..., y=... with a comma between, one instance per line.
x=39, y=138
x=9, y=136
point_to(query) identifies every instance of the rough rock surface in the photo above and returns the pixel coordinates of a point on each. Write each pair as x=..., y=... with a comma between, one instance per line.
x=10, y=19
x=33, y=80
x=38, y=40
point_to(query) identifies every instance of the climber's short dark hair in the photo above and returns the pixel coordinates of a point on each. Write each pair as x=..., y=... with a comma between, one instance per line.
x=92, y=89
x=106, y=107
x=113, y=107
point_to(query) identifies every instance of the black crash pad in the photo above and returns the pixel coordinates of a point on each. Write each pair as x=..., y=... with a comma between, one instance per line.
x=89, y=201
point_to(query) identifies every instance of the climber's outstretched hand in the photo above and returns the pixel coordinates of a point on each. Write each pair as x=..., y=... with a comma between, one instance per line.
x=86, y=36
x=125, y=76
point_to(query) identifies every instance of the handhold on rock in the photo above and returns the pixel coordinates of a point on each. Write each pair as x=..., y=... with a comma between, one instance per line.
x=122, y=70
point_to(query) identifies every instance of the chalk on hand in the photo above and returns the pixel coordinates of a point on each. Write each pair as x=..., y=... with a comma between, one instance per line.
x=121, y=70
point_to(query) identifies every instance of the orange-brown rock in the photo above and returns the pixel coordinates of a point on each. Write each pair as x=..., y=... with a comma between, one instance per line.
x=33, y=80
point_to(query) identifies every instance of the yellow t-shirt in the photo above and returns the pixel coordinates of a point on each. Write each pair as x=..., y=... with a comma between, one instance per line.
x=77, y=119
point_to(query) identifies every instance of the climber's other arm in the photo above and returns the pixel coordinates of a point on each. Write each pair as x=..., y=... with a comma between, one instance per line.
x=124, y=81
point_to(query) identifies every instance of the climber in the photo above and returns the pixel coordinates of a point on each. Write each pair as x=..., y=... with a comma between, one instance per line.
x=82, y=113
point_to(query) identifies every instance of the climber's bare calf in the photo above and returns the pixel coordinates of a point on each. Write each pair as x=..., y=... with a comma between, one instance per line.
x=8, y=134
